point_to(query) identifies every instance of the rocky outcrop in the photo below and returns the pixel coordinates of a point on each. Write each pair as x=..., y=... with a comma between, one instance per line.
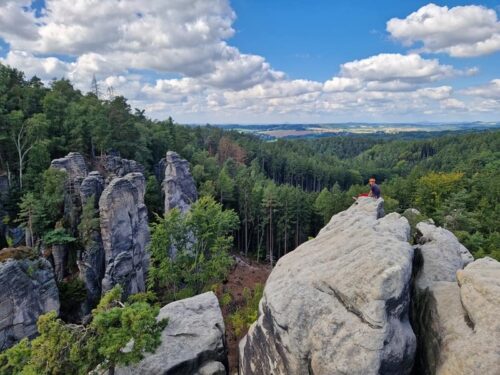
x=339, y=303
x=125, y=233
x=91, y=263
x=119, y=167
x=28, y=289
x=192, y=343
x=60, y=256
x=73, y=164
x=454, y=310
x=179, y=187
x=92, y=186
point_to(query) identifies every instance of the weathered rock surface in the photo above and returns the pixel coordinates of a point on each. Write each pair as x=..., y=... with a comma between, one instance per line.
x=92, y=186
x=125, y=233
x=442, y=254
x=60, y=256
x=73, y=164
x=179, y=187
x=454, y=311
x=91, y=263
x=192, y=343
x=28, y=289
x=120, y=167
x=339, y=303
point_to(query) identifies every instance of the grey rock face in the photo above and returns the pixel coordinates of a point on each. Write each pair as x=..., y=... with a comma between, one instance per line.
x=120, y=167
x=91, y=264
x=92, y=186
x=192, y=343
x=339, y=303
x=73, y=164
x=178, y=186
x=454, y=311
x=28, y=289
x=125, y=233
x=442, y=253
x=60, y=256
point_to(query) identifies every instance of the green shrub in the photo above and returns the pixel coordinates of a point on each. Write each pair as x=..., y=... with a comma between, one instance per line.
x=248, y=313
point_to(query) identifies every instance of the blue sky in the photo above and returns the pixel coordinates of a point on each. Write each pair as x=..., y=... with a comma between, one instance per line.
x=257, y=61
x=310, y=39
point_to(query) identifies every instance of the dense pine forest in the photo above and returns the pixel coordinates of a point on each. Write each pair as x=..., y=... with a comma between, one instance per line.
x=283, y=192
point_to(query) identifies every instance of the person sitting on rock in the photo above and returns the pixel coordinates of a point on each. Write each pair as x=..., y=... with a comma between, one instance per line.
x=374, y=190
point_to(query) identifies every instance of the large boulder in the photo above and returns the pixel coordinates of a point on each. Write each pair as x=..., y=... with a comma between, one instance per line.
x=454, y=309
x=192, y=343
x=125, y=233
x=339, y=303
x=179, y=187
x=28, y=290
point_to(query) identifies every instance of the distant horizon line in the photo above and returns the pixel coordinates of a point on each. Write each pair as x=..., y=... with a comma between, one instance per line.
x=347, y=123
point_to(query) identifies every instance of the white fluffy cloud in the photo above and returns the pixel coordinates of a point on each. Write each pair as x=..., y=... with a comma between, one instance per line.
x=396, y=67
x=165, y=36
x=173, y=59
x=488, y=91
x=461, y=31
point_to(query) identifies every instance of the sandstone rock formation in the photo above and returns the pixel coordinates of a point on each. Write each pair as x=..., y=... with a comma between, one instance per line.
x=92, y=186
x=339, y=303
x=454, y=311
x=123, y=223
x=73, y=164
x=192, y=343
x=125, y=233
x=119, y=167
x=28, y=289
x=179, y=187
x=91, y=263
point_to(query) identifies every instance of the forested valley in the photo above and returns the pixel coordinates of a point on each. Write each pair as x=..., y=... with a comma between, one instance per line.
x=283, y=192
x=257, y=198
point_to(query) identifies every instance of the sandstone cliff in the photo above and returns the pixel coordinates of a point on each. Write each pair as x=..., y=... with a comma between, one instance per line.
x=455, y=309
x=339, y=303
x=179, y=188
x=125, y=233
x=28, y=290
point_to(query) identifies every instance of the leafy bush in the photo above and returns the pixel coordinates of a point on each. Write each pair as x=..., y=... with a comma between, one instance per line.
x=246, y=315
x=58, y=236
x=72, y=349
x=191, y=252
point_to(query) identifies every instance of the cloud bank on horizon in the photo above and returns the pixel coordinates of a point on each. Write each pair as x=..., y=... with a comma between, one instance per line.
x=177, y=60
